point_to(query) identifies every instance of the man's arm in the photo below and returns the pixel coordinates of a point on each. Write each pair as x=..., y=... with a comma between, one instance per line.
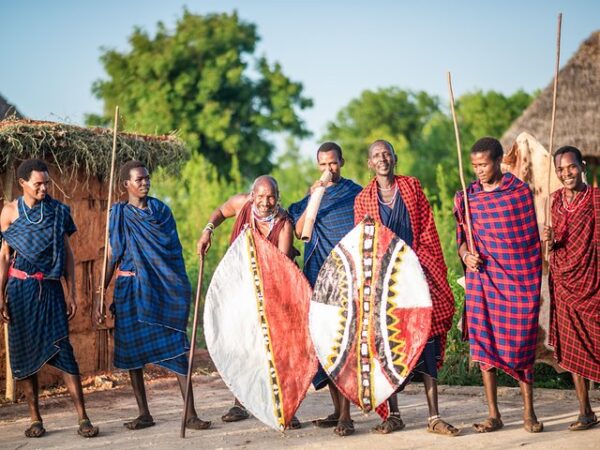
x=8, y=215
x=70, y=279
x=300, y=222
x=230, y=208
x=110, y=269
x=286, y=239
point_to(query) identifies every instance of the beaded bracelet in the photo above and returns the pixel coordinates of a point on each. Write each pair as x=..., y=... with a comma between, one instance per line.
x=464, y=257
x=210, y=227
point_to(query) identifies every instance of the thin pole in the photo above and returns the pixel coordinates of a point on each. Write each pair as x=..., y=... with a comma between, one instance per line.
x=548, y=218
x=110, y=194
x=460, y=169
x=188, y=388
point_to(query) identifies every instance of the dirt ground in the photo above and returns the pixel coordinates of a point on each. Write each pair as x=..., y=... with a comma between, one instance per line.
x=461, y=406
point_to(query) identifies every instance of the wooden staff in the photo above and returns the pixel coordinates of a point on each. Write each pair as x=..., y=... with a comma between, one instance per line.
x=313, y=207
x=470, y=244
x=110, y=193
x=548, y=217
x=188, y=388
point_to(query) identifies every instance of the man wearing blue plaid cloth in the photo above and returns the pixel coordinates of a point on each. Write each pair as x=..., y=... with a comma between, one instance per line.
x=152, y=292
x=335, y=219
x=35, y=255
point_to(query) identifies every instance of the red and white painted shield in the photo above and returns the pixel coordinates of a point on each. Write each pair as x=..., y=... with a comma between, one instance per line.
x=370, y=314
x=256, y=328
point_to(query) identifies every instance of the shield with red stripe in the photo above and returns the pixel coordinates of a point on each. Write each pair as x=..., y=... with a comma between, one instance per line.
x=256, y=328
x=370, y=314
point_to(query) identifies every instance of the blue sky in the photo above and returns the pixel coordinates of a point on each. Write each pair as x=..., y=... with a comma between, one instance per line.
x=337, y=49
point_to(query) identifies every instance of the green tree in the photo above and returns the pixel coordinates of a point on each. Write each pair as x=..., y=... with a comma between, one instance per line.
x=391, y=113
x=203, y=79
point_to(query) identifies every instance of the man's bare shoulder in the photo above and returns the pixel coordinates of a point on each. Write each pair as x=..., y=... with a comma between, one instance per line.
x=9, y=214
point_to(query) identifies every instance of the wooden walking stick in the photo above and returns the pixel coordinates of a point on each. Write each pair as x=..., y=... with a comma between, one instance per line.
x=103, y=347
x=548, y=217
x=188, y=387
x=470, y=244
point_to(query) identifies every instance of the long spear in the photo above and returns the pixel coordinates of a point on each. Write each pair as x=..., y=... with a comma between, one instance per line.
x=460, y=169
x=188, y=388
x=110, y=194
x=548, y=218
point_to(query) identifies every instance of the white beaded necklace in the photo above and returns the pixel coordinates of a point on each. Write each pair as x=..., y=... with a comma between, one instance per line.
x=27, y=217
x=390, y=203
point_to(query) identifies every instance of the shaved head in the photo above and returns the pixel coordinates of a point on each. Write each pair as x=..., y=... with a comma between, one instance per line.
x=266, y=180
x=381, y=143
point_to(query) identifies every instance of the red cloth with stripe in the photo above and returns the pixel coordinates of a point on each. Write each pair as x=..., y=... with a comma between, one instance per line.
x=426, y=244
x=575, y=283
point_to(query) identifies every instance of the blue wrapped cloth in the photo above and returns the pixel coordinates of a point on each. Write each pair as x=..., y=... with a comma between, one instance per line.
x=151, y=308
x=38, y=331
x=335, y=219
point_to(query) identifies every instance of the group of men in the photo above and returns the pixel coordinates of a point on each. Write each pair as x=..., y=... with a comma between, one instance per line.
x=498, y=243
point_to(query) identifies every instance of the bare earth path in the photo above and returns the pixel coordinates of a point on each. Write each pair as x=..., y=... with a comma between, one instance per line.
x=462, y=406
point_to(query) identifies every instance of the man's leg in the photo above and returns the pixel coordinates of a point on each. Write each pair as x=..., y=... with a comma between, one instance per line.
x=587, y=418
x=345, y=424
x=582, y=387
x=144, y=419
x=435, y=424
x=490, y=385
x=30, y=386
x=394, y=421
x=336, y=398
x=530, y=422
x=73, y=383
x=193, y=421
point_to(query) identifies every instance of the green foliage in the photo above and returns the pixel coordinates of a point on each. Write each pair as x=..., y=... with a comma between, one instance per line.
x=203, y=79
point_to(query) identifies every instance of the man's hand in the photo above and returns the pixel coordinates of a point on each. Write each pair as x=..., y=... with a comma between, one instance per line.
x=204, y=242
x=316, y=185
x=71, y=307
x=472, y=261
x=548, y=234
x=3, y=310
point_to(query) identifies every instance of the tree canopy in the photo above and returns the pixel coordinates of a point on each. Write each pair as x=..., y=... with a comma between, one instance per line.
x=204, y=80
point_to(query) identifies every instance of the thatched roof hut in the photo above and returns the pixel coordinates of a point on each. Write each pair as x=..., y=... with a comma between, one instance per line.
x=79, y=161
x=577, y=110
x=7, y=110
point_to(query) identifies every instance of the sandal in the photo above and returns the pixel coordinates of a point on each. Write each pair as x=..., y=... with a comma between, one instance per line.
x=86, y=429
x=439, y=426
x=139, y=423
x=393, y=423
x=488, y=425
x=584, y=422
x=35, y=430
x=326, y=422
x=195, y=423
x=294, y=424
x=344, y=428
x=533, y=426
x=235, y=414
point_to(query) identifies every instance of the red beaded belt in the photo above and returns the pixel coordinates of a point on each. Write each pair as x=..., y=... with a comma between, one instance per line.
x=125, y=273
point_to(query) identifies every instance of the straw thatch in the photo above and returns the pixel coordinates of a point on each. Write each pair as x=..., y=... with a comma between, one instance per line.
x=578, y=105
x=76, y=149
x=7, y=110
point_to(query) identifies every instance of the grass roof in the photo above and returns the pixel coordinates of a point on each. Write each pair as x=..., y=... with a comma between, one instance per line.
x=74, y=149
x=577, y=105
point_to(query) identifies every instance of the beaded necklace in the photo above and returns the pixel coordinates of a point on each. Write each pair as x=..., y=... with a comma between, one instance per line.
x=270, y=219
x=27, y=217
x=576, y=201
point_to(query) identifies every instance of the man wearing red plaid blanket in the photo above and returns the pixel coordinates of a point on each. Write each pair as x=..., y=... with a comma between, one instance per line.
x=400, y=204
x=574, y=280
x=503, y=278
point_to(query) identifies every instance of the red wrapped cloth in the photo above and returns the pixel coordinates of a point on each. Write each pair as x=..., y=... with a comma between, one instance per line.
x=575, y=283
